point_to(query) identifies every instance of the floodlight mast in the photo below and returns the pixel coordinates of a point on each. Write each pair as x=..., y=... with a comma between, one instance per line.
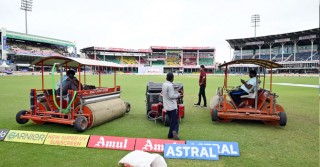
x=255, y=21
x=26, y=5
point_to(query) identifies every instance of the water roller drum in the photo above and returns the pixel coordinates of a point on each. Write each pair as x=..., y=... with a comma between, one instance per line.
x=104, y=111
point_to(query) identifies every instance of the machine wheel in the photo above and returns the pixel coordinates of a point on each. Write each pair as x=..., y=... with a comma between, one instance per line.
x=18, y=117
x=81, y=123
x=151, y=116
x=128, y=107
x=214, y=115
x=283, y=118
x=166, y=120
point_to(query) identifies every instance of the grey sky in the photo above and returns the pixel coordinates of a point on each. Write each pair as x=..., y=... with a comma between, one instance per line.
x=138, y=24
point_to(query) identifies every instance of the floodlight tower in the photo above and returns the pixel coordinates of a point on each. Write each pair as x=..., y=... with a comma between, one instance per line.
x=26, y=5
x=255, y=21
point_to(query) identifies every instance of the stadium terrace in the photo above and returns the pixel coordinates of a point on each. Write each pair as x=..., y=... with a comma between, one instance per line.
x=298, y=52
x=164, y=58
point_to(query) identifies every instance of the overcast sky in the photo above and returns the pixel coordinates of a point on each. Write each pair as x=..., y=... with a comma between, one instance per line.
x=139, y=24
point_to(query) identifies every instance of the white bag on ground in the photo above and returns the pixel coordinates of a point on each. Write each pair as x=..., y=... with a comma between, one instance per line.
x=139, y=158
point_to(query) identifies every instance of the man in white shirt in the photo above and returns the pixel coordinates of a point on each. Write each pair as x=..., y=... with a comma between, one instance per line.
x=245, y=88
x=170, y=105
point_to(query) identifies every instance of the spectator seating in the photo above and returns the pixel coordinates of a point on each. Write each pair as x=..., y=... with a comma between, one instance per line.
x=278, y=57
x=23, y=49
x=190, y=61
x=263, y=56
x=129, y=60
x=302, y=56
x=173, y=61
x=113, y=59
x=158, y=62
x=142, y=60
x=206, y=61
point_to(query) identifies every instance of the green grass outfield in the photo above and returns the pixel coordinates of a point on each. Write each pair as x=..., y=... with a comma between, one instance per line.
x=297, y=144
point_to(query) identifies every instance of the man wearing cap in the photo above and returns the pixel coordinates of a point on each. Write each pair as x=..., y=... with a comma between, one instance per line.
x=69, y=82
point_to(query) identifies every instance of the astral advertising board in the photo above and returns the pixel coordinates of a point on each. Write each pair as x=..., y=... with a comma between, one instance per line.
x=188, y=151
x=111, y=142
x=224, y=148
x=154, y=145
x=71, y=140
x=26, y=136
x=3, y=133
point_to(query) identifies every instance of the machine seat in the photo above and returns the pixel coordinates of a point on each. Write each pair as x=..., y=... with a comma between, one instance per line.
x=253, y=92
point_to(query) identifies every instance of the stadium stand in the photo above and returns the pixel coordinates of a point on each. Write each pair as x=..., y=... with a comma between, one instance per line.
x=278, y=57
x=129, y=60
x=206, y=58
x=316, y=56
x=301, y=56
x=206, y=61
x=89, y=56
x=21, y=49
x=189, y=59
x=100, y=57
x=113, y=59
x=24, y=49
x=236, y=57
x=167, y=57
x=173, y=61
x=293, y=50
x=265, y=57
x=158, y=62
x=143, y=60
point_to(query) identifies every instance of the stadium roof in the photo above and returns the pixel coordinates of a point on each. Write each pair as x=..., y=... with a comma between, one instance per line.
x=152, y=48
x=289, y=38
x=35, y=38
x=109, y=49
x=182, y=48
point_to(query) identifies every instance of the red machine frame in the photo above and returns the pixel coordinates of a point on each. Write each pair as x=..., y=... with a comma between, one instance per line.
x=158, y=112
x=262, y=107
x=45, y=111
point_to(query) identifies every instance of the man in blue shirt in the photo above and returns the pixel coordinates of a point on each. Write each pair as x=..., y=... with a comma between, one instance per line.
x=170, y=105
x=69, y=82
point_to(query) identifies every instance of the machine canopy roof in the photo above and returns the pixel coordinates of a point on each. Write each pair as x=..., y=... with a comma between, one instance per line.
x=263, y=63
x=72, y=62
